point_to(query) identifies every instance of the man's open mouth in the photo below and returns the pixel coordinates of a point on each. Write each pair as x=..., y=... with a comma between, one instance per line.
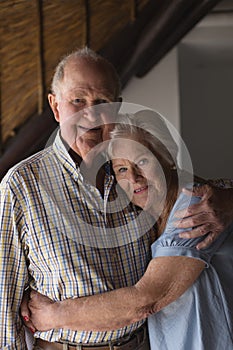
x=85, y=129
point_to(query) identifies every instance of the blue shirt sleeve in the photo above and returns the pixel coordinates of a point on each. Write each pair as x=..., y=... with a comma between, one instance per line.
x=170, y=244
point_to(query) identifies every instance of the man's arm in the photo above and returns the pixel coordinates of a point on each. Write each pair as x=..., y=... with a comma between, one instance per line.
x=13, y=271
x=212, y=215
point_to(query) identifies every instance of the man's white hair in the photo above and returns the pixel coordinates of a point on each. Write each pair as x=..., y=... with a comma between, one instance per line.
x=88, y=54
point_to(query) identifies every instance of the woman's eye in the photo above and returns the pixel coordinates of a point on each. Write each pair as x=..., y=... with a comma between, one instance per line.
x=142, y=162
x=100, y=100
x=122, y=170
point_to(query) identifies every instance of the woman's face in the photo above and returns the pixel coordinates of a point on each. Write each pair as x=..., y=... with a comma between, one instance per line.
x=139, y=174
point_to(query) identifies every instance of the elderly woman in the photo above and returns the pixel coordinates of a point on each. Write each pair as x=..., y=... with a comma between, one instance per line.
x=185, y=293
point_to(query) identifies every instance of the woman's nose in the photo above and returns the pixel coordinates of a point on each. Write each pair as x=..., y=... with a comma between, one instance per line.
x=134, y=175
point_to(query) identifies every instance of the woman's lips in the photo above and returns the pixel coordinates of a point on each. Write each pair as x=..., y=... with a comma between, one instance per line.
x=141, y=189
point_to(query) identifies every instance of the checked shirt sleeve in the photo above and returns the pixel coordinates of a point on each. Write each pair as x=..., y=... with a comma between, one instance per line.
x=13, y=269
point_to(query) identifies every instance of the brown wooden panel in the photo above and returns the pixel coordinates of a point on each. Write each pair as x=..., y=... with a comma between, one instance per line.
x=141, y=4
x=134, y=46
x=64, y=24
x=18, y=54
x=107, y=17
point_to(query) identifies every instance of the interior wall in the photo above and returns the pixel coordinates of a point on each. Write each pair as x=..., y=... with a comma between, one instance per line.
x=192, y=87
x=159, y=89
x=206, y=103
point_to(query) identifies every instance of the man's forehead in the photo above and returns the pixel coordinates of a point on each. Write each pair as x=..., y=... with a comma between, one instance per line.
x=79, y=78
x=84, y=66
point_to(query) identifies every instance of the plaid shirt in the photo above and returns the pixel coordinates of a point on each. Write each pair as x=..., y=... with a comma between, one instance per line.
x=60, y=236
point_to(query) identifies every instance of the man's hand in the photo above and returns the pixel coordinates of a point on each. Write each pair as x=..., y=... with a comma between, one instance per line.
x=211, y=215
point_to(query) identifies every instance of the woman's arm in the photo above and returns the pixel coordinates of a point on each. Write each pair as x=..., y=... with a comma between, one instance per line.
x=165, y=279
x=163, y=282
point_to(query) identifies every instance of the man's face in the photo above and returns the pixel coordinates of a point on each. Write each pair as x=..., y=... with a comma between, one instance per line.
x=82, y=105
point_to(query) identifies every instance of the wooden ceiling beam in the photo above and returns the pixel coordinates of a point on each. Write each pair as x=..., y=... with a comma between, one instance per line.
x=158, y=29
x=29, y=139
x=158, y=48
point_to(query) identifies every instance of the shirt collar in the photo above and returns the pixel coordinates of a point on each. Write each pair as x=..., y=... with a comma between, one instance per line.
x=62, y=152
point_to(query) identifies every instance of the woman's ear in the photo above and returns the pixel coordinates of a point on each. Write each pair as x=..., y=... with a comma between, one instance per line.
x=53, y=104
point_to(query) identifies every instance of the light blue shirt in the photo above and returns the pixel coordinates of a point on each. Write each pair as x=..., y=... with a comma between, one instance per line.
x=202, y=318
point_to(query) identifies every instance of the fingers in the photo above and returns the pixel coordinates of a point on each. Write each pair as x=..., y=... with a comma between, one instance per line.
x=34, y=294
x=198, y=191
x=193, y=209
x=25, y=312
x=200, y=226
x=207, y=241
x=202, y=230
x=199, y=231
x=208, y=217
x=201, y=208
x=28, y=323
x=39, y=306
x=209, y=230
x=37, y=300
x=203, y=218
x=205, y=192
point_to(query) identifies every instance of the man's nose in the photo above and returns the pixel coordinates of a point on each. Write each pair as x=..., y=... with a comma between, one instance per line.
x=91, y=112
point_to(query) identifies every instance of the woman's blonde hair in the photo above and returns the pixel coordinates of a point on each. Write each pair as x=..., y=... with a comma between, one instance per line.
x=149, y=127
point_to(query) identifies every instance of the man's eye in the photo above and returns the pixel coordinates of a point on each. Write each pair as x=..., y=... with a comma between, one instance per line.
x=100, y=100
x=78, y=101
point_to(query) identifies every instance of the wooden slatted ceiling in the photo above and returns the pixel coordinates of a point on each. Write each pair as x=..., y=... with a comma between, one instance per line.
x=19, y=65
x=35, y=34
x=133, y=34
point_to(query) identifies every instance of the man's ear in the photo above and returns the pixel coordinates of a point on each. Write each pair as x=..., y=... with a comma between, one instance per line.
x=53, y=104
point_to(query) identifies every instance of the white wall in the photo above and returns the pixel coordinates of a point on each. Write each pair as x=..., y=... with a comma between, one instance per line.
x=206, y=87
x=201, y=68
x=158, y=90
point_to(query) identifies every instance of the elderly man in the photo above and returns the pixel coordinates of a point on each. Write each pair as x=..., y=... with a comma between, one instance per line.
x=57, y=234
